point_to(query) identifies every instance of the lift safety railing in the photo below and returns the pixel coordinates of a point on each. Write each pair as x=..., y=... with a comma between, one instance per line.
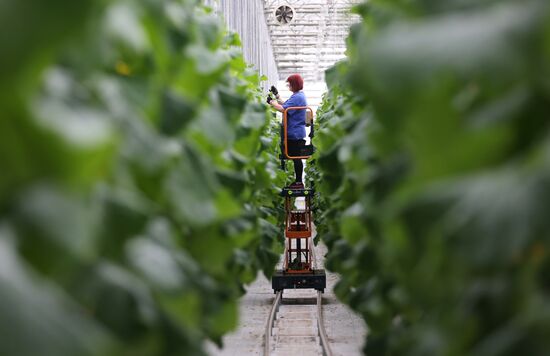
x=309, y=115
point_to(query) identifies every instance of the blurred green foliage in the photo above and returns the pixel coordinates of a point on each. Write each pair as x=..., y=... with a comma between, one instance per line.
x=434, y=176
x=138, y=174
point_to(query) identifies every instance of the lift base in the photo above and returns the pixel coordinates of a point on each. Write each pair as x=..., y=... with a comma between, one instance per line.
x=316, y=280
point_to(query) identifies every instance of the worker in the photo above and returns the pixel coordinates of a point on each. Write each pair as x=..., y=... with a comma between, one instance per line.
x=296, y=124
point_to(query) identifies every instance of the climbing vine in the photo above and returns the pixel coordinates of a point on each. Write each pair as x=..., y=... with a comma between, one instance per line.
x=137, y=178
x=433, y=176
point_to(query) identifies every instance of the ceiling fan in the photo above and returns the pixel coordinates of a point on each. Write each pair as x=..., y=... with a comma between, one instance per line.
x=284, y=14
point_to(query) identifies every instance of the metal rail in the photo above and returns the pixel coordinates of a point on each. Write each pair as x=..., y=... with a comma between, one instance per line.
x=270, y=321
x=320, y=325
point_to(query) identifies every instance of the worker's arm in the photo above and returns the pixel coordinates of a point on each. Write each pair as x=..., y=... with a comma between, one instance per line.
x=277, y=106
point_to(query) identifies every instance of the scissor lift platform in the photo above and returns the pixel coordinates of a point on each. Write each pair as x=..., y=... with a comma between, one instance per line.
x=300, y=192
x=316, y=279
x=298, y=266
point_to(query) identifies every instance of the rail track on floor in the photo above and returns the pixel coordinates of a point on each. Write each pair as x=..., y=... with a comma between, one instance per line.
x=295, y=326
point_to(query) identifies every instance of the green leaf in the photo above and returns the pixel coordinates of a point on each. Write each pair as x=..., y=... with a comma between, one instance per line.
x=37, y=317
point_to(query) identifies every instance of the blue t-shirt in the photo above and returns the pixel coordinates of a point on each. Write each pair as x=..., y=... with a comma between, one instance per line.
x=296, y=129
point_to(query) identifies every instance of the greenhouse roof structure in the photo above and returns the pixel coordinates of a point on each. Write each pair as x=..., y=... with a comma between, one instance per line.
x=283, y=37
x=308, y=36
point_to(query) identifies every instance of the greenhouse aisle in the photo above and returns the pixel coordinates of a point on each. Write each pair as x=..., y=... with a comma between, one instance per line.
x=346, y=331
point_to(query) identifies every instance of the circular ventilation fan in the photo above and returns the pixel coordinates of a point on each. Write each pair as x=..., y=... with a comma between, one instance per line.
x=284, y=14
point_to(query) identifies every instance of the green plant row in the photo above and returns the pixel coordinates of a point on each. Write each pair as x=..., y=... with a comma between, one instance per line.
x=433, y=173
x=138, y=171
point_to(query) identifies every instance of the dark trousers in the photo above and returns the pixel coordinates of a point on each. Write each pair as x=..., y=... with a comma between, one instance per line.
x=293, y=150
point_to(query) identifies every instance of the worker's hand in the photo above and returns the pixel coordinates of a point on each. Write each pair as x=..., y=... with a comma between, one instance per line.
x=274, y=91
